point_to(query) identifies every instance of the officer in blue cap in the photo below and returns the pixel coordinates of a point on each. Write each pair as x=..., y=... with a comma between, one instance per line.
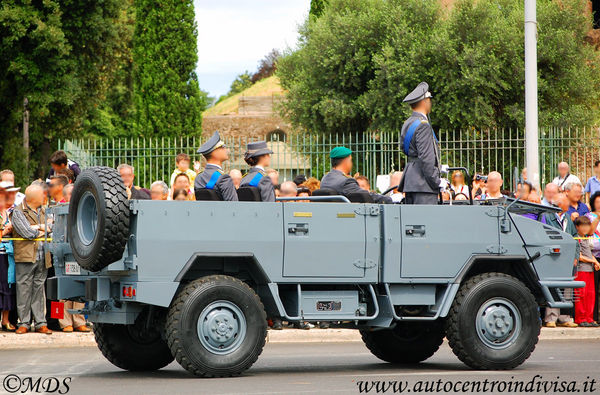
x=213, y=176
x=339, y=179
x=258, y=156
x=421, y=178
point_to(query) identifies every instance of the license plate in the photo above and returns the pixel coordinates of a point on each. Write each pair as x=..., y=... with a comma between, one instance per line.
x=72, y=268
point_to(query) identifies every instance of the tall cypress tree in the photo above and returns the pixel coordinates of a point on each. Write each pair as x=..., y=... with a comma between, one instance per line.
x=167, y=99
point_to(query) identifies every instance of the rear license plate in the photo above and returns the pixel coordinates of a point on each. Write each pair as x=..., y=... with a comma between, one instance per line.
x=72, y=268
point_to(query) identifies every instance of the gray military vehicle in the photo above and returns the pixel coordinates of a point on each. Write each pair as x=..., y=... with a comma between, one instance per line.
x=198, y=281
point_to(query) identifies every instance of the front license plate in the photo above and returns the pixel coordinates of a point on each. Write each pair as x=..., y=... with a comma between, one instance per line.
x=72, y=268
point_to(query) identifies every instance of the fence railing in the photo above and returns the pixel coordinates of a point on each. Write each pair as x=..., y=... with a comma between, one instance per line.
x=374, y=152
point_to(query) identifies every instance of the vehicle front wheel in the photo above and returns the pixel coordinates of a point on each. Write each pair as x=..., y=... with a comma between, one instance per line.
x=407, y=342
x=493, y=323
x=216, y=326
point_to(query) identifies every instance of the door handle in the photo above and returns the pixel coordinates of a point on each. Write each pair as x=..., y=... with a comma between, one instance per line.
x=298, y=229
x=415, y=230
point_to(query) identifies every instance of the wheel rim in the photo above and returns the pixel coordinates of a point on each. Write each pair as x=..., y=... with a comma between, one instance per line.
x=87, y=218
x=221, y=327
x=498, y=323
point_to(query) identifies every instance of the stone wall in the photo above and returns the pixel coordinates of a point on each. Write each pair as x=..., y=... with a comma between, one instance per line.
x=249, y=126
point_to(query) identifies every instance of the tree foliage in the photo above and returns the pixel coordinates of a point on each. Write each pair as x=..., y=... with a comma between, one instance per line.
x=167, y=98
x=58, y=54
x=317, y=7
x=358, y=60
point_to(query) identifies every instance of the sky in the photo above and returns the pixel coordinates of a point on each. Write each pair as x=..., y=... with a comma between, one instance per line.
x=233, y=35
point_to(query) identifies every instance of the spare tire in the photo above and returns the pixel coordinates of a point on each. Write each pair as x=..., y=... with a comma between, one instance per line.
x=98, y=221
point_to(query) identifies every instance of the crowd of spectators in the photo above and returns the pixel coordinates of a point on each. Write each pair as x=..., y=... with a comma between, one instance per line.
x=25, y=265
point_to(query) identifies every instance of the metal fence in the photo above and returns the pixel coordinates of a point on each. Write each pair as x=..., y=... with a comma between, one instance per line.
x=374, y=153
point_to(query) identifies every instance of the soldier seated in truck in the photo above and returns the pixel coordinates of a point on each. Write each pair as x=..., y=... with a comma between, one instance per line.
x=339, y=180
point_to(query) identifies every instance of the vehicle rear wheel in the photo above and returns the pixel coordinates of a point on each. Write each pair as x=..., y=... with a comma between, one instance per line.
x=98, y=220
x=216, y=326
x=493, y=323
x=134, y=347
x=407, y=342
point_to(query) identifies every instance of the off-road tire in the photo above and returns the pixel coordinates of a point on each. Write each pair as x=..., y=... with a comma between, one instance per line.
x=182, y=332
x=461, y=322
x=112, y=213
x=406, y=343
x=121, y=345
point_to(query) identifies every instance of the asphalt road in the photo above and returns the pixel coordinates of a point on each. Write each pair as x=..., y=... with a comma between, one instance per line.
x=301, y=368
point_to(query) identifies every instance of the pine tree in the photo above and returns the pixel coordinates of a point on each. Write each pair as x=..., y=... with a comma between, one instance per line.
x=167, y=99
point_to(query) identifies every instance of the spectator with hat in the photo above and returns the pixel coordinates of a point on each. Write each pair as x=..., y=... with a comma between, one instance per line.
x=14, y=194
x=258, y=156
x=339, y=179
x=213, y=177
x=421, y=181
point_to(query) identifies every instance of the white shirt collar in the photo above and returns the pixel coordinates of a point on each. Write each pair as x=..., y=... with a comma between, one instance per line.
x=260, y=167
x=212, y=164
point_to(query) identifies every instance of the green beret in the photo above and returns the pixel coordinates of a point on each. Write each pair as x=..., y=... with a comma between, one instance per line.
x=340, y=152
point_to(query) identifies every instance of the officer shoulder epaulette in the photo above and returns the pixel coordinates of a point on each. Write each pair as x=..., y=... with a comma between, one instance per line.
x=424, y=121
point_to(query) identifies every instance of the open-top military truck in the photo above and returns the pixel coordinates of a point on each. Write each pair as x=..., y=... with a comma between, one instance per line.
x=197, y=281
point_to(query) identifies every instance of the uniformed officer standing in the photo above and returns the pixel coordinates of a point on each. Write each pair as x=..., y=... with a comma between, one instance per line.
x=421, y=179
x=339, y=180
x=258, y=156
x=213, y=176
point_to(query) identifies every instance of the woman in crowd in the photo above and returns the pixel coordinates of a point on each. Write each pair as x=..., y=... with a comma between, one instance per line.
x=182, y=181
x=458, y=183
x=7, y=266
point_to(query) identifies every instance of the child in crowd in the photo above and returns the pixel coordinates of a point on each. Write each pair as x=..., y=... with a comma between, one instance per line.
x=183, y=166
x=584, y=305
x=182, y=181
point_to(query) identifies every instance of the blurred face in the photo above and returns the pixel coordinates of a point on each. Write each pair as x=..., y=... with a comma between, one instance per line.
x=56, y=167
x=3, y=200
x=288, y=189
x=181, y=183
x=584, y=229
x=563, y=169
x=494, y=183
x=523, y=191
x=363, y=184
x=596, y=203
x=574, y=194
x=428, y=104
x=127, y=176
x=183, y=165
x=8, y=177
x=550, y=192
x=458, y=178
x=10, y=199
x=562, y=202
x=67, y=194
x=181, y=196
x=157, y=193
x=56, y=189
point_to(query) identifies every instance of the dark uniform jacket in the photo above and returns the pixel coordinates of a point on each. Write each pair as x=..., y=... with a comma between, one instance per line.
x=223, y=185
x=262, y=182
x=422, y=171
x=345, y=185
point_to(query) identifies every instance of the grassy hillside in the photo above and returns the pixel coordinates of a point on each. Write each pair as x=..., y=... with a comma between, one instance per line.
x=267, y=87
